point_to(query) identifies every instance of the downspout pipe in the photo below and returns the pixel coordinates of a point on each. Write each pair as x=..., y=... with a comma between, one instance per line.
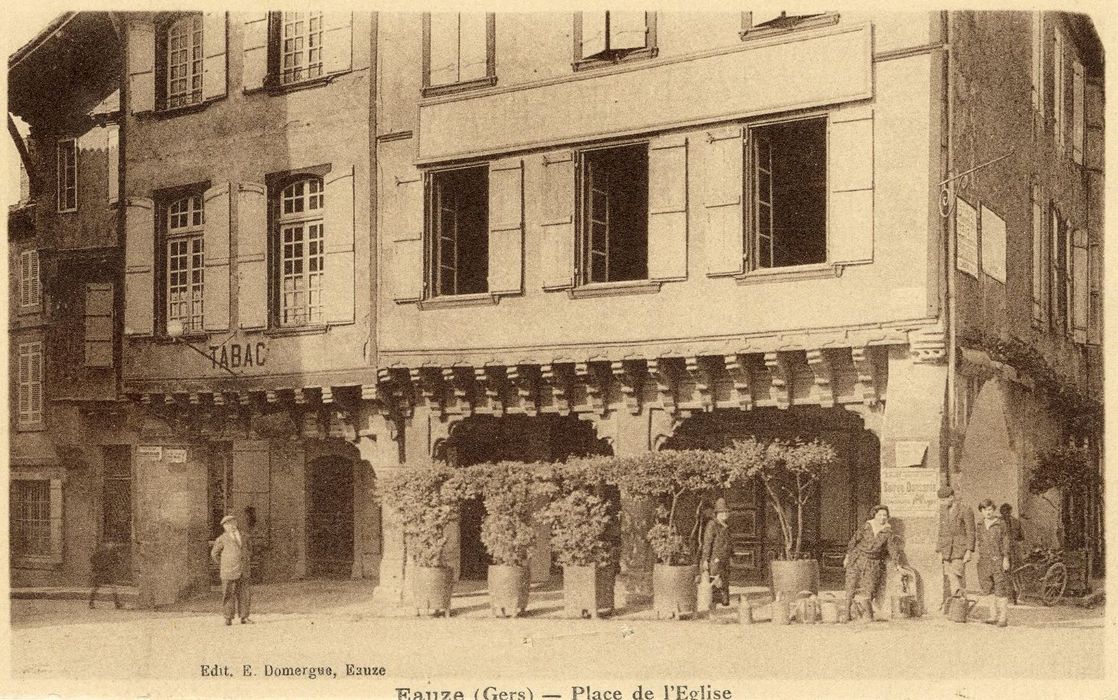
x=952, y=249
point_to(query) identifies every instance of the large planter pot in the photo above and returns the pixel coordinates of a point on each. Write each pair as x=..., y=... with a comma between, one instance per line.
x=508, y=590
x=791, y=577
x=674, y=591
x=431, y=588
x=588, y=590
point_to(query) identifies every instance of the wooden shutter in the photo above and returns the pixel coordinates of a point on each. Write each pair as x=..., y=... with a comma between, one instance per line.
x=141, y=66
x=251, y=484
x=24, y=379
x=1080, y=285
x=443, y=49
x=337, y=42
x=405, y=221
x=593, y=34
x=215, y=290
x=850, y=173
x=725, y=235
x=338, y=226
x=473, y=46
x=1078, y=120
x=1038, y=255
x=214, y=48
x=252, y=271
x=506, y=226
x=255, y=57
x=557, y=193
x=1094, y=285
x=99, y=324
x=1059, y=100
x=627, y=30
x=667, y=208
x=112, y=138
x=139, y=254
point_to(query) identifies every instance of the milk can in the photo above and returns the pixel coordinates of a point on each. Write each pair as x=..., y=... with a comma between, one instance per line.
x=828, y=609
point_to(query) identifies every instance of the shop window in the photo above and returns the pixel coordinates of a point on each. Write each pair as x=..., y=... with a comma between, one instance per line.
x=35, y=521
x=603, y=38
x=458, y=231
x=788, y=180
x=756, y=24
x=99, y=324
x=613, y=236
x=67, y=175
x=299, y=253
x=180, y=61
x=30, y=291
x=458, y=51
x=30, y=385
x=184, y=270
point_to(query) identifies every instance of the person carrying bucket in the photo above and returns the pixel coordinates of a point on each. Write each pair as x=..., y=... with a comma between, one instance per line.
x=865, y=562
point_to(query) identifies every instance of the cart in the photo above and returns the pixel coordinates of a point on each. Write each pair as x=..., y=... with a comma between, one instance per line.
x=1050, y=574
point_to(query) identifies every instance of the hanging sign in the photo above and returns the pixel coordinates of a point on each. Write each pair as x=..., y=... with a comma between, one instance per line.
x=966, y=238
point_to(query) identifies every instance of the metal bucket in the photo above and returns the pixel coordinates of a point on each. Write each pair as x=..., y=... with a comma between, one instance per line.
x=780, y=611
x=958, y=607
x=828, y=609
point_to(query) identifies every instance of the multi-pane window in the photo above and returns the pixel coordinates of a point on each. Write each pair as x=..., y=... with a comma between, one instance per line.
x=184, y=61
x=301, y=253
x=789, y=198
x=30, y=517
x=185, y=262
x=300, y=46
x=614, y=214
x=613, y=36
x=30, y=293
x=67, y=174
x=458, y=49
x=459, y=231
x=30, y=384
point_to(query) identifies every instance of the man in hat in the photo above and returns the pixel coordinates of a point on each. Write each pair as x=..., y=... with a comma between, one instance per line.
x=716, y=553
x=231, y=551
x=955, y=542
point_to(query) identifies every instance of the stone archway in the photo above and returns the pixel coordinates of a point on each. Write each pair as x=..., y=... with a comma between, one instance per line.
x=332, y=479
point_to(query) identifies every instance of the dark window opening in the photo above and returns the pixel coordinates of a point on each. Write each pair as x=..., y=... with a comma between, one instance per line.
x=458, y=216
x=117, y=495
x=789, y=182
x=614, y=237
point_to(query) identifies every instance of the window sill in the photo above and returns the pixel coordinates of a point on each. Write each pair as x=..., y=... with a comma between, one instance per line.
x=30, y=310
x=453, y=88
x=285, y=331
x=272, y=87
x=811, y=23
x=171, y=112
x=36, y=561
x=611, y=289
x=593, y=62
x=460, y=300
x=185, y=337
x=786, y=274
x=30, y=427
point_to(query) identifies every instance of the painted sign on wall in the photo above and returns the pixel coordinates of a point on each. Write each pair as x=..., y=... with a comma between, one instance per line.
x=910, y=492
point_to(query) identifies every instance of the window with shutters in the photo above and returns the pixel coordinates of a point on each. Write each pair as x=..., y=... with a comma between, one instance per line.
x=458, y=232
x=758, y=24
x=180, y=61
x=299, y=254
x=184, y=268
x=605, y=38
x=458, y=51
x=300, y=46
x=788, y=194
x=1059, y=91
x=30, y=385
x=99, y=324
x=30, y=518
x=613, y=214
x=30, y=291
x=67, y=175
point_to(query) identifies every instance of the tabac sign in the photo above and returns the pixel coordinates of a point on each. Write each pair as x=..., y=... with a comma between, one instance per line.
x=231, y=355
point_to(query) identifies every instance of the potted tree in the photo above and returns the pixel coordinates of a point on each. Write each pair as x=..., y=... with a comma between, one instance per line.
x=426, y=500
x=581, y=523
x=789, y=472
x=669, y=477
x=508, y=530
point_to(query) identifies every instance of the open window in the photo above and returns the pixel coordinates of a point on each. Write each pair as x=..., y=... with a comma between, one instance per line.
x=603, y=38
x=788, y=194
x=756, y=24
x=613, y=232
x=458, y=51
x=458, y=231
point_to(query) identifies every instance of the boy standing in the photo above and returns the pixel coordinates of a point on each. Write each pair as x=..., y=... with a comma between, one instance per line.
x=993, y=562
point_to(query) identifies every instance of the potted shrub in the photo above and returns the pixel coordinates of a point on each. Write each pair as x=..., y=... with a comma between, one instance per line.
x=580, y=524
x=668, y=476
x=426, y=500
x=508, y=530
x=789, y=472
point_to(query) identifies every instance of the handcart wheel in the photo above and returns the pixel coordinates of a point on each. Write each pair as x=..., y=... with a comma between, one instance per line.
x=1053, y=584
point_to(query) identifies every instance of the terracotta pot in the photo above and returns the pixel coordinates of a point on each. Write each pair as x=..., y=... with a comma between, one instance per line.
x=432, y=587
x=674, y=590
x=588, y=590
x=792, y=577
x=508, y=590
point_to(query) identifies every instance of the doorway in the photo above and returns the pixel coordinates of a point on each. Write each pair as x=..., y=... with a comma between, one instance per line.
x=116, y=510
x=330, y=517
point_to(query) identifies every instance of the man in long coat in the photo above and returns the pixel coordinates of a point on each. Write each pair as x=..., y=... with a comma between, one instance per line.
x=717, y=549
x=956, y=539
x=231, y=551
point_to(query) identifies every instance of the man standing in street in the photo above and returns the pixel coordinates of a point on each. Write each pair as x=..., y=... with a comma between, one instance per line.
x=993, y=563
x=231, y=551
x=716, y=553
x=955, y=542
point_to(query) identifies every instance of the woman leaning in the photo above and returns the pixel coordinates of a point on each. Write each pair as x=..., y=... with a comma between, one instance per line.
x=865, y=562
